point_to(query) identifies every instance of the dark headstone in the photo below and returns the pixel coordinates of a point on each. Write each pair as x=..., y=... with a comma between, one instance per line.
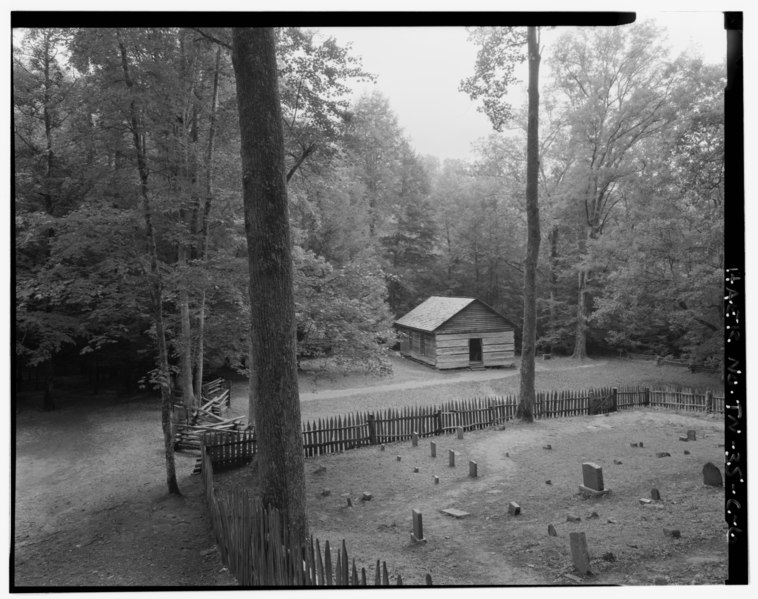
x=686, y=452
x=349, y=502
x=655, y=495
x=514, y=509
x=548, y=482
x=579, y=553
x=326, y=492
x=593, y=476
x=663, y=454
x=642, y=444
x=417, y=535
x=433, y=448
x=366, y=496
x=692, y=435
x=712, y=476
x=414, y=439
x=507, y=455
x=451, y=458
x=415, y=470
x=672, y=532
x=472, y=469
x=460, y=432
x=551, y=530
x=436, y=480
x=399, y=458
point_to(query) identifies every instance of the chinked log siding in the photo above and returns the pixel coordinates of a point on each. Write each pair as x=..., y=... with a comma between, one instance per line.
x=448, y=326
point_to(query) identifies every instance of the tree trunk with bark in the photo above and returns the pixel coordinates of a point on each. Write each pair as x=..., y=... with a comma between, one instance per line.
x=274, y=367
x=529, y=331
x=154, y=277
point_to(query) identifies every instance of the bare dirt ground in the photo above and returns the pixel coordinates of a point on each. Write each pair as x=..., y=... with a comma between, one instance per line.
x=626, y=540
x=91, y=507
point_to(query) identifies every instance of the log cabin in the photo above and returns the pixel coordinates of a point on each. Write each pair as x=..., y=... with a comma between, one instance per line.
x=456, y=332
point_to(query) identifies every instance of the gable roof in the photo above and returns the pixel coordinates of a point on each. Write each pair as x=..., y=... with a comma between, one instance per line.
x=434, y=312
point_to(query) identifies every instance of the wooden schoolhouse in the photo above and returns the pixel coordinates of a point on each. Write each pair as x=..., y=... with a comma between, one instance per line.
x=456, y=332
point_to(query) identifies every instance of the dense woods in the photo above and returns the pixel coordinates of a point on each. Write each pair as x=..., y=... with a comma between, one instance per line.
x=130, y=229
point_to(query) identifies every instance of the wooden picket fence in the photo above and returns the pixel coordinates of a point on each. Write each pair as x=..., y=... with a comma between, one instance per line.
x=256, y=547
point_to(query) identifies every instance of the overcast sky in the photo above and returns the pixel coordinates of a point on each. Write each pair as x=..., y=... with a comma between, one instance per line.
x=419, y=71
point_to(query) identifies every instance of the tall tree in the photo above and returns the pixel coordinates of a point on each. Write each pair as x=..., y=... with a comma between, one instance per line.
x=272, y=315
x=500, y=49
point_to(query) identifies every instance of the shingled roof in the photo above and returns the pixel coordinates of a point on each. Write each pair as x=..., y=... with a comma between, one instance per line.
x=434, y=312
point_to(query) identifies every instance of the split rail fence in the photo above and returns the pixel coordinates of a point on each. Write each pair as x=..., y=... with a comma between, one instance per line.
x=256, y=547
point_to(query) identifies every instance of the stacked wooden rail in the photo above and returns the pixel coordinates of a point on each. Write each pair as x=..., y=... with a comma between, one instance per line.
x=206, y=418
x=256, y=547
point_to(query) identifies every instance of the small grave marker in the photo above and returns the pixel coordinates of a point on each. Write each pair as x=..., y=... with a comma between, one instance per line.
x=414, y=439
x=460, y=432
x=579, y=553
x=548, y=482
x=399, y=458
x=415, y=470
x=472, y=469
x=349, y=502
x=642, y=444
x=672, y=532
x=326, y=492
x=514, y=509
x=551, y=530
x=617, y=462
x=381, y=447
x=712, y=476
x=655, y=495
x=433, y=448
x=663, y=454
x=686, y=452
x=451, y=511
x=572, y=518
x=548, y=446
x=592, y=475
x=451, y=458
x=683, y=438
x=436, y=480
x=692, y=435
x=366, y=496
x=633, y=445
x=417, y=536
x=645, y=501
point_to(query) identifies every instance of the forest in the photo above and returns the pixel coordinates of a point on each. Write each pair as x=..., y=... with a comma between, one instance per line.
x=630, y=196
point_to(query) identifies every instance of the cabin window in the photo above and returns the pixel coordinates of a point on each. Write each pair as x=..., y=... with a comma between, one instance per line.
x=475, y=350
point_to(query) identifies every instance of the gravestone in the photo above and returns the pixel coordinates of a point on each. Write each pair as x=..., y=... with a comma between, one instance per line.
x=655, y=495
x=451, y=458
x=551, y=530
x=548, y=446
x=436, y=480
x=460, y=432
x=686, y=452
x=642, y=444
x=592, y=476
x=691, y=435
x=617, y=462
x=472, y=469
x=417, y=536
x=579, y=553
x=415, y=470
x=645, y=501
x=663, y=454
x=366, y=496
x=381, y=447
x=455, y=513
x=683, y=438
x=712, y=476
x=433, y=447
x=514, y=509
x=326, y=492
x=571, y=518
x=672, y=532
x=414, y=439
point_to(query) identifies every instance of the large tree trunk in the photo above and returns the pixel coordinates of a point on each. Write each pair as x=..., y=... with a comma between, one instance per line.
x=185, y=350
x=155, y=283
x=580, y=335
x=529, y=334
x=552, y=326
x=272, y=318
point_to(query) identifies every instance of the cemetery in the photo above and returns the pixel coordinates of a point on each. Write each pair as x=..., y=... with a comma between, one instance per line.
x=611, y=511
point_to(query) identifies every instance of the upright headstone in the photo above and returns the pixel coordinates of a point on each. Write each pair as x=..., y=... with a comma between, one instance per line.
x=417, y=536
x=399, y=458
x=551, y=530
x=655, y=495
x=433, y=447
x=472, y=469
x=451, y=458
x=691, y=435
x=514, y=509
x=414, y=439
x=460, y=432
x=579, y=553
x=436, y=480
x=592, y=475
x=712, y=476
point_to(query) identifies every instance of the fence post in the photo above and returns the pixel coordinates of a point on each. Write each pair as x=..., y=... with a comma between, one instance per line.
x=615, y=400
x=646, y=400
x=709, y=401
x=438, y=422
x=371, y=429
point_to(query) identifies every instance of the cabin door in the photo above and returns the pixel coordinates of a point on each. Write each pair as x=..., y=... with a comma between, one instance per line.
x=475, y=350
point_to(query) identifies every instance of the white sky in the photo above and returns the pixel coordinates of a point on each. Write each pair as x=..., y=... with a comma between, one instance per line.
x=419, y=70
